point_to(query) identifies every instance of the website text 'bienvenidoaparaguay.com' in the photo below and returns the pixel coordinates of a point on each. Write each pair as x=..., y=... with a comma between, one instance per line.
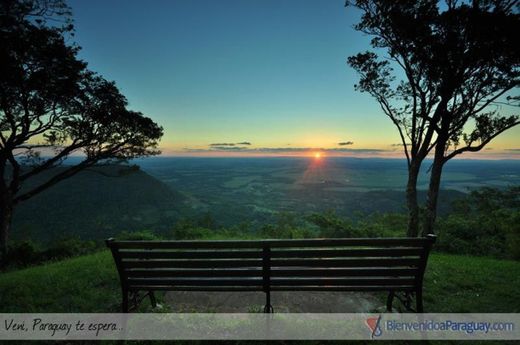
x=244, y=326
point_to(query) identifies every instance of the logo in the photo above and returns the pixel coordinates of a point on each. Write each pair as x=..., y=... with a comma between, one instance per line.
x=373, y=324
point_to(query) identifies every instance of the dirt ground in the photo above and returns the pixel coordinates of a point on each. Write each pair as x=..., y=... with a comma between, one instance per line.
x=282, y=302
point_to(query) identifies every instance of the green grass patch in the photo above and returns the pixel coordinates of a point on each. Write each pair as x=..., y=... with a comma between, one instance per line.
x=82, y=284
x=464, y=284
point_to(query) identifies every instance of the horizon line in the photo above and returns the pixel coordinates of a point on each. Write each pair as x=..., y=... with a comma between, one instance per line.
x=322, y=157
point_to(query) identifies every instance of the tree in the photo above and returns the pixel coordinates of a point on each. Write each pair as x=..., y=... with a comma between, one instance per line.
x=481, y=64
x=52, y=107
x=454, y=60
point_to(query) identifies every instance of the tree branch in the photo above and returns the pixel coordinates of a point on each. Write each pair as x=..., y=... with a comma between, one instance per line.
x=481, y=145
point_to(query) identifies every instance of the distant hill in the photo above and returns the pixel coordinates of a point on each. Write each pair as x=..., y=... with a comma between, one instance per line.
x=97, y=204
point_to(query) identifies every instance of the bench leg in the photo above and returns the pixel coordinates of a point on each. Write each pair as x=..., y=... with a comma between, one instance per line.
x=268, y=308
x=153, y=301
x=124, y=303
x=389, y=301
x=419, y=301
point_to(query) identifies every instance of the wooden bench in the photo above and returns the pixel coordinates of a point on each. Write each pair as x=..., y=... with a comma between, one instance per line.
x=395, y=265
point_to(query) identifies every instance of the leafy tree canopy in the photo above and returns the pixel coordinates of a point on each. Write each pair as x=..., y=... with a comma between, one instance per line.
x=456, y=59
x=52, y=105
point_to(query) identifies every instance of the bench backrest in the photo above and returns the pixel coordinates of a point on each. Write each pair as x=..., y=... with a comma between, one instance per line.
x=364, y=264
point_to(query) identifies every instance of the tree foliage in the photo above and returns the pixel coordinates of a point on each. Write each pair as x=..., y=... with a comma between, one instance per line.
x=485, y=222
x=453, y=63
x=52, y=106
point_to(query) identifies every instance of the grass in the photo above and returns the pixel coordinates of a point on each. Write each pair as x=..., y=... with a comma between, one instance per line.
x=82, y=284
x=89, y=283
x=464, y=284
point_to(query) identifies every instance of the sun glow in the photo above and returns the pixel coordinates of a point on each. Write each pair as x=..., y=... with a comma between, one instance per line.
x=317, y=155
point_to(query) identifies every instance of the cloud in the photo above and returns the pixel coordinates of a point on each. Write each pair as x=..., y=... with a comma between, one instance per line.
x=344, y=143
x=512, y=150
x=400, y=144
x=222, y=144
x=357, y=150
x=227, y=148
x=230, y=144
x=190, y=149
x=283, y=149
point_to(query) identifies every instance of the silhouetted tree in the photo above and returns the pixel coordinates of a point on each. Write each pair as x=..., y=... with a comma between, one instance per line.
x=52, y=106
x=455, y=60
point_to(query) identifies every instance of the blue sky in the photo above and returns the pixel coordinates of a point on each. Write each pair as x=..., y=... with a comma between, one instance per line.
x=271, y=73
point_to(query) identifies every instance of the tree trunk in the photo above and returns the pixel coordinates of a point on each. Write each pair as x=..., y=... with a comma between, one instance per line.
x=6, y=213
x=433, y=190
x=411, y=201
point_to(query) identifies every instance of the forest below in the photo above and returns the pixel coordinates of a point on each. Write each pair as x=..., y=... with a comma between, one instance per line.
x=77, y=215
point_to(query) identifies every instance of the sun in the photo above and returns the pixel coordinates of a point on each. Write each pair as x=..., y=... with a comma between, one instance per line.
x=317, y=155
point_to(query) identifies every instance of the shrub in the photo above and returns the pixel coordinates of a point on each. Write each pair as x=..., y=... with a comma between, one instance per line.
x=330, y=225
x=513, y=236
x=23, y=253
x=144, y=235
x=26, y=253
x=68, y=247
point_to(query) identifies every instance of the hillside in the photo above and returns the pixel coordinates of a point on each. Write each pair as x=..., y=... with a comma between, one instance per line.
x=96, y=204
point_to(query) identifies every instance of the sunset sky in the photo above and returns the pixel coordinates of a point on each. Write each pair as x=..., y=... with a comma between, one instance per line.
x=248, y=77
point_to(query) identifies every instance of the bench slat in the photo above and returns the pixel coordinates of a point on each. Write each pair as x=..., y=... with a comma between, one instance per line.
x=201, y=273
x=196, y=282
x=191, y=263
x=195, y=288
x=345, y=288
x=309, y=272
x=340, y=281
x=274, y=288
x=274, y=282
x=251, y=254
x=335, y=242
x=330, y=253
x=367, y=262
x=155, y=254
x=348, y=272
x=224, y=263
x=187, y=244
